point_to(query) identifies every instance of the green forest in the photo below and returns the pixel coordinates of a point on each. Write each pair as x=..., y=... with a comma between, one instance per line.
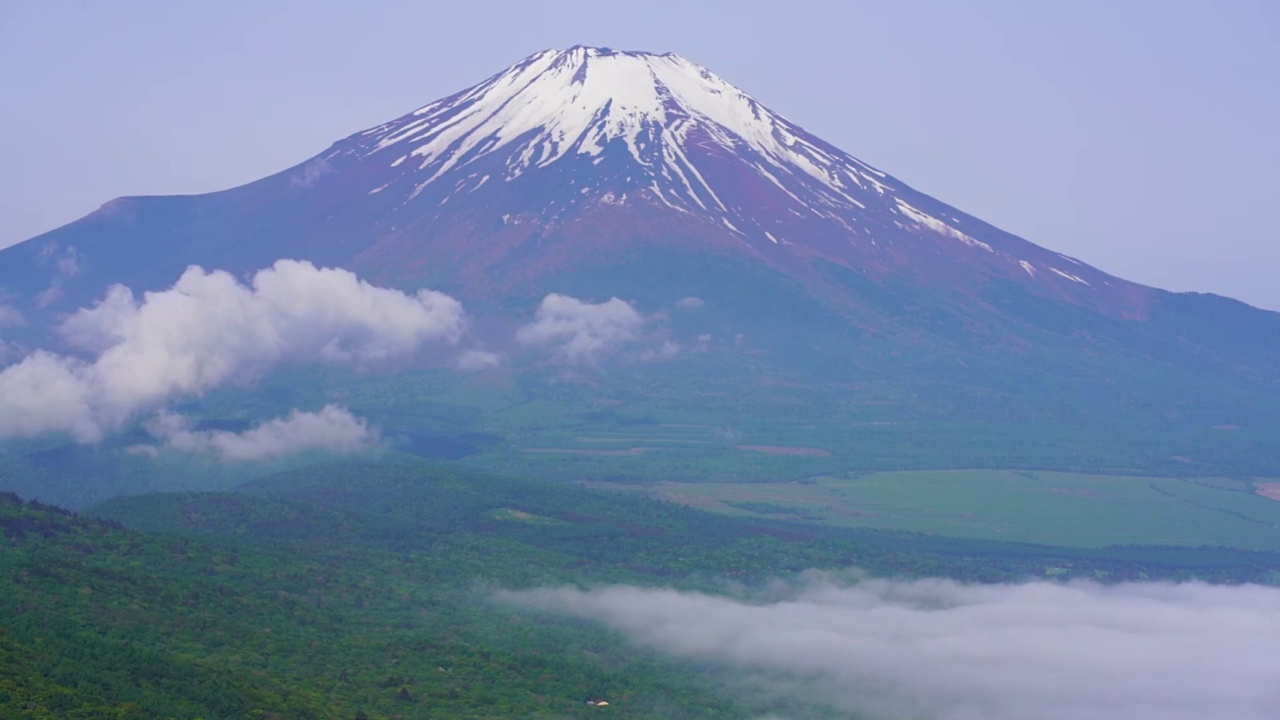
x=363, y=591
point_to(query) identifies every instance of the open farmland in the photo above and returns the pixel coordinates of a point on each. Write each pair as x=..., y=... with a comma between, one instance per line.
x=1042, y=507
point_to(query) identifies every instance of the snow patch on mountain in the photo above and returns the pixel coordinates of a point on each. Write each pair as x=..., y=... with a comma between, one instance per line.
x=1069, y=276
x=582, y=100
x=926, y=220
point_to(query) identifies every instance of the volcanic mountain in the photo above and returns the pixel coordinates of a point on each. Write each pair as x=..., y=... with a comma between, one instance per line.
x=560, y=159
x=598, y=173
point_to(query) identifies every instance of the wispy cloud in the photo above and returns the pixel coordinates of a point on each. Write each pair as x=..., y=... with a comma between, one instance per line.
x=66, y=262
x=940, y=650
x=210, y=330
x=311, y=173
x=10, y=317
x=474, y=360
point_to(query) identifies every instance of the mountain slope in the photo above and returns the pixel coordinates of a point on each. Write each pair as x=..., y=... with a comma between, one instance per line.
x=599, y=173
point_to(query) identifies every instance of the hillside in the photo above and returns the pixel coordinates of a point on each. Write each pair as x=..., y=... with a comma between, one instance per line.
x=104, y=622
x=353, y=590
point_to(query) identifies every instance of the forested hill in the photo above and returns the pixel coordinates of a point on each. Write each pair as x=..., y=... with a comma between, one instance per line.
x=355, y=591
x=97, y=621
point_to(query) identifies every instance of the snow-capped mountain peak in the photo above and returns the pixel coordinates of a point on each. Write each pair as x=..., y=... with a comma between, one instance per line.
x=572, y=171
x=564, y=132
x=581, y=100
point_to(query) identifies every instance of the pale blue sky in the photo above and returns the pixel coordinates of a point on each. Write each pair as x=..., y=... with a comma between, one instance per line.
x=1140, y=135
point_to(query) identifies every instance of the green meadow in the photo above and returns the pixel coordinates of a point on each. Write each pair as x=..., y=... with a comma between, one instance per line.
x=1053, y=508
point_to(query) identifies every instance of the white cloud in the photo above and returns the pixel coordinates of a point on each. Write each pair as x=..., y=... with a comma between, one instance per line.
x=334, y=430
x=581, y=332
x=691, y=303
x=47, y=393
x=940, y=650
x=210, y=330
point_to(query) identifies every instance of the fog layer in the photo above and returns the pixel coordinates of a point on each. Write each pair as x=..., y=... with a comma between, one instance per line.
x=947, y=651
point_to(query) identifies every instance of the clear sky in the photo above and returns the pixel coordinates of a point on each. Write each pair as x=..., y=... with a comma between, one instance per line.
x=1142, y=136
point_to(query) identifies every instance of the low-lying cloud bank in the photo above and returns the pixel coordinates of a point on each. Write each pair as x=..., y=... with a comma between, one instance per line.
x=946, y=651
x=333, y=430
x=210, y=330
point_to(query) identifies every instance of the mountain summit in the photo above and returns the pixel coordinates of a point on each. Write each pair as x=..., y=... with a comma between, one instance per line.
x=563, y=157
x=595, y=173
x=584, y=103
x=588, y=127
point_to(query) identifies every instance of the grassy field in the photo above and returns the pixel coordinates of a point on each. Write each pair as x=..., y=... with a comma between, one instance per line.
x=690, y=421
x=1054, y=508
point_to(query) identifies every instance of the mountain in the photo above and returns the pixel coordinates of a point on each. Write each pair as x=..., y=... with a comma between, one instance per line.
x=562, y=157
x=598, y=173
